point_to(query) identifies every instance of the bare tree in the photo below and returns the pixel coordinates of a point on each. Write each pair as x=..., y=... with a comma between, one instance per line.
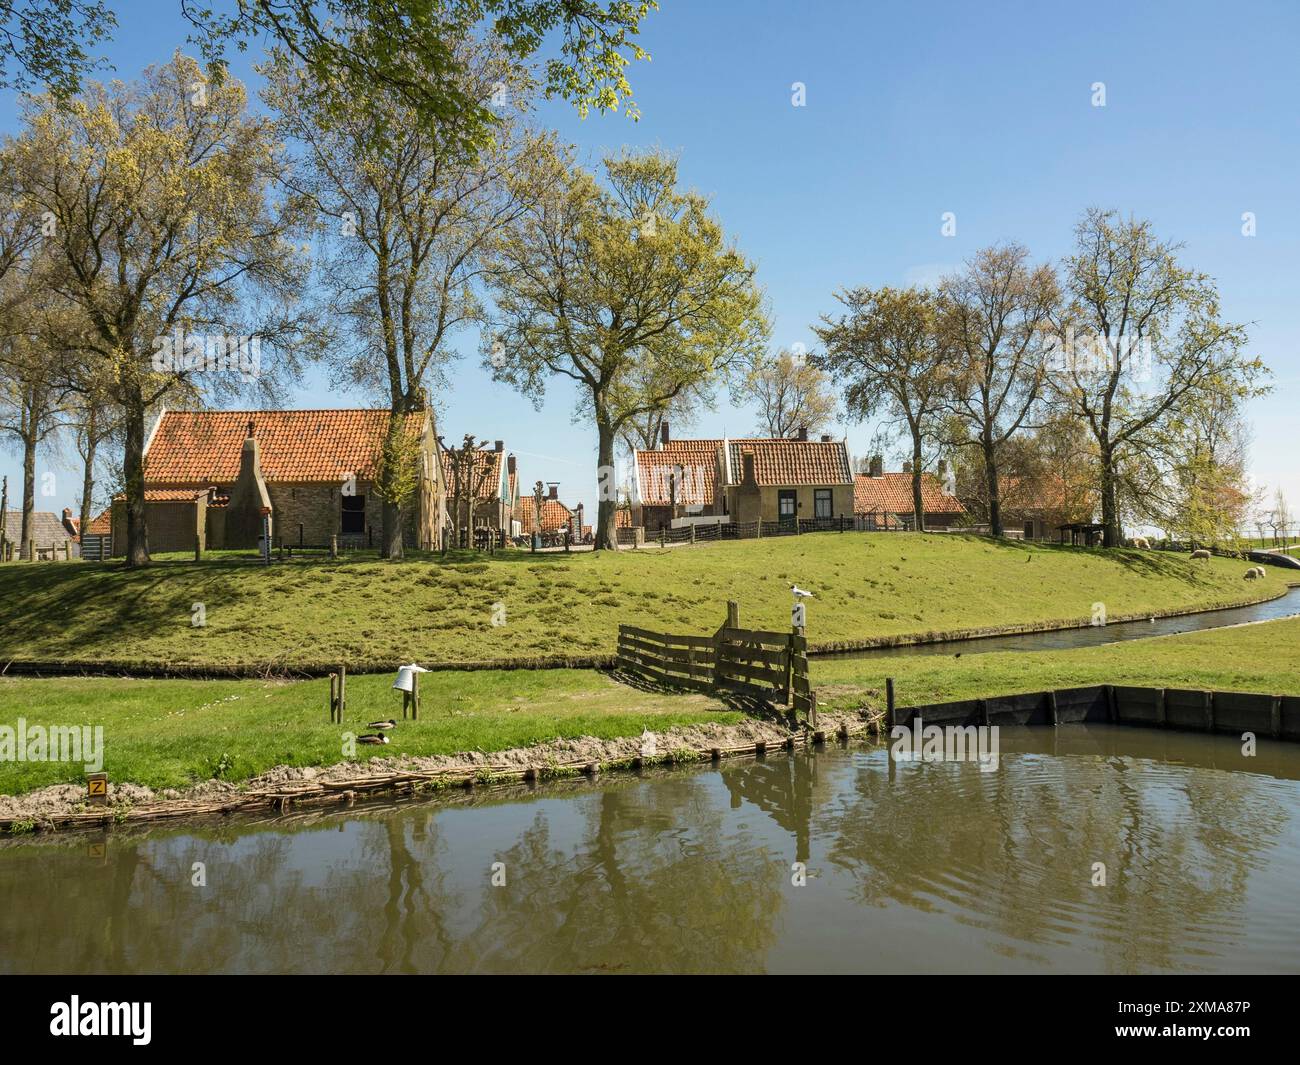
x=791, y=394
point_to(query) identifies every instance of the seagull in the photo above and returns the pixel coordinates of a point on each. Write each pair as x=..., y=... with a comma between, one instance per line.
x=799, y=593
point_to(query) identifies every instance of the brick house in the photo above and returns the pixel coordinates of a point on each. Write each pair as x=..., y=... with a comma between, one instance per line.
x=884, y=500
x=555, y=515
x=742, y=480
x=494, y=480
x=210, y=475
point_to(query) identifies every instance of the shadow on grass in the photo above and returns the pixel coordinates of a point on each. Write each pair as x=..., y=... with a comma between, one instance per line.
x=758, y=709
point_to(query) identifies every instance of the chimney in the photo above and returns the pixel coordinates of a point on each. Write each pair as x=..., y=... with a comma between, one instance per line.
x=943, y=469
x=877, y=467
x=907, y=467
x=250, y=429
x=803, y=433
x=664, y=435
x=747, y=460
x=555, y=489
x=826, y=438
x=510, y=464
x=500, y=445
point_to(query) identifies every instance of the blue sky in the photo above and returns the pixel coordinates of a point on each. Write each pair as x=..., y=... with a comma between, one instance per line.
x=984, y=110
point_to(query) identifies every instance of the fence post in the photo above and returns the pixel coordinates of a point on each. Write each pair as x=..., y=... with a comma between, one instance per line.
x=415, y=696
x=343, y=691
x=692, y=532
x=889, y=701
x=334, y=697
x=334, y=546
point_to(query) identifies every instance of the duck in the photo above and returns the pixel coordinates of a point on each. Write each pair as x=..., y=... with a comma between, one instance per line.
x=375, y=738
x=390, y=723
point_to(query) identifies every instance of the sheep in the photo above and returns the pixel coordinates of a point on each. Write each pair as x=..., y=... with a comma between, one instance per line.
x=1142, y=542
x=1200, y=552
x=1252, y=574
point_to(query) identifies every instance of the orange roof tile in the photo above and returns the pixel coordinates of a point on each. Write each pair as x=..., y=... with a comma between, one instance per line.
x=555, y=515
x=296, y=446
x=892, y=493
x=167, y=495
x=101, y=525
x=486, y=475
x=792, y=462
x=684, y=471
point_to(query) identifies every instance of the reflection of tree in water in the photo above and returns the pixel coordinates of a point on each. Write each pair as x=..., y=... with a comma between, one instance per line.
x=1012, y=850
x=652, y=885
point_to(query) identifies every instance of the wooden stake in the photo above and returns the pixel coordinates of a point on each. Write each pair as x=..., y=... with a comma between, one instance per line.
x=415, y=696
x=889, y=701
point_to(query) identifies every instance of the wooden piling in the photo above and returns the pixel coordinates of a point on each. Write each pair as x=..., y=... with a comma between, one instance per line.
x=1053, y=714
x=334, y=698
x=889, y=702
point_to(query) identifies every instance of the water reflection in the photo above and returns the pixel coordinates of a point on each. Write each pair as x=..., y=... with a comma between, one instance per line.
x=910, y=868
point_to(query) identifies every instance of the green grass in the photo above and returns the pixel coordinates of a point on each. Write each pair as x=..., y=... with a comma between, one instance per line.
x=1255, y=658
x=357, y=610
x=170, y=733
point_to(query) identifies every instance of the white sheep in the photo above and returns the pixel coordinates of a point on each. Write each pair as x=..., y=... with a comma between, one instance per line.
x=1142, y=542
x=1252, y=574
x=1200, y=552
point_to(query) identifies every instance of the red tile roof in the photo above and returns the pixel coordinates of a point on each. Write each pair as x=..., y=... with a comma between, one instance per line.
x=167, y=495
x=555, y=515
x=892, y=493
x=296, y=446
x=486, y=475
x=101, y=525
x=696, y=481
x=792, y=462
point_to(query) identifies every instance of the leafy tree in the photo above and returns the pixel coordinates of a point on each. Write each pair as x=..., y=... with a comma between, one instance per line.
x=629, y=290
x=48, y=42
x=790, y=392
x=158, y=196
x=1139, y=339
x=887, y=352
x=409, y=220
x=996, y=312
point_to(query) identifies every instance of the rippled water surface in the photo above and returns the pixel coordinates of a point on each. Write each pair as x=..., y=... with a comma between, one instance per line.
x=931, y=868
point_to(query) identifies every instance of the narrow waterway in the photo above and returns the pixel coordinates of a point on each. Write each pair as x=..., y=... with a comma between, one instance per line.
x=1285, y=606
x=839, y=860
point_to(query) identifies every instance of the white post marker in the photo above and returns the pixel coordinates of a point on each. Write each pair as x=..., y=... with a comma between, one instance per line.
x=797, y=612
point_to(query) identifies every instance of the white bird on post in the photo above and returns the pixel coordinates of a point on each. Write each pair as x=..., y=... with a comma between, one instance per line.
x=797, y=614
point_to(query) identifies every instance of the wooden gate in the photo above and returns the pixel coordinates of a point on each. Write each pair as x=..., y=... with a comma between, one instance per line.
x=770, y=667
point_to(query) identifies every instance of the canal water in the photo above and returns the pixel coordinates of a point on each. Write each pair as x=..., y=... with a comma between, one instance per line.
x=838, y=860
x=1284, y=606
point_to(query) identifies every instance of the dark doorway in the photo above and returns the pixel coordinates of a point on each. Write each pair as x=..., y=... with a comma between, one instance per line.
x=786, y=506
x=354, y=515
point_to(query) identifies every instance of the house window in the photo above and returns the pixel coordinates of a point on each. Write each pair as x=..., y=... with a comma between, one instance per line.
x=354, y=515
x=785, y=504
x=822, y=503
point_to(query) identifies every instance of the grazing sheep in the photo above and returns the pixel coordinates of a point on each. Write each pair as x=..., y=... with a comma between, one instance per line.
x=1200, y=553
x=1252, y=574
x=1142, y=542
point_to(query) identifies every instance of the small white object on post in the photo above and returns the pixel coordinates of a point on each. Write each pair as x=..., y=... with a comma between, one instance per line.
x=408, y=683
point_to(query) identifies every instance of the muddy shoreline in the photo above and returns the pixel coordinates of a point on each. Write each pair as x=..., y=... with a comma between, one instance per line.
x=63, y=807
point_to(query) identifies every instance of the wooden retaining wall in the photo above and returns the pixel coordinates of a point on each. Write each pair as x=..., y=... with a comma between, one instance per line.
x=1188, y=710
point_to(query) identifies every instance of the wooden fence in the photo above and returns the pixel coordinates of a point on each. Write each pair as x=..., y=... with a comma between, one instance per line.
x=1274, y=716
x=770, y=667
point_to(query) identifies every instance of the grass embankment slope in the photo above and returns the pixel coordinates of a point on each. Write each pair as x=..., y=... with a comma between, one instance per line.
x=170, y=733
x=514, y=607
x=1254, y=658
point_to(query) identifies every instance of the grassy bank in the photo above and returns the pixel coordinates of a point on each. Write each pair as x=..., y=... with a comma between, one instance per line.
x=173, y=733
x=1256, y=658
x=516, y=606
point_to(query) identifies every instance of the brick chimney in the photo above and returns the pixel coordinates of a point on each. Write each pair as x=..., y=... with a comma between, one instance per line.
x=555, y=489
x=510, y=464
x=943, y=469
x=826, y=438
x=500, y=445
x=747, y=461
x=664, y=434
x=877, y=466
x=907, y=467
x=803, y=433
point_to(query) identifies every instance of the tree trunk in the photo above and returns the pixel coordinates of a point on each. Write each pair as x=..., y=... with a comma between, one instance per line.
x=137, y=530
x=1110, y=536
x=29, y=485
x=607, y=506
x=391, y=546
x=88, y=474
x=991, y=481
x=390, y=536
x=918, y=500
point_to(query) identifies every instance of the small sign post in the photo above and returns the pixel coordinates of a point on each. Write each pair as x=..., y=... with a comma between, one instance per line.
x=798, y=615
x=97, y=789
